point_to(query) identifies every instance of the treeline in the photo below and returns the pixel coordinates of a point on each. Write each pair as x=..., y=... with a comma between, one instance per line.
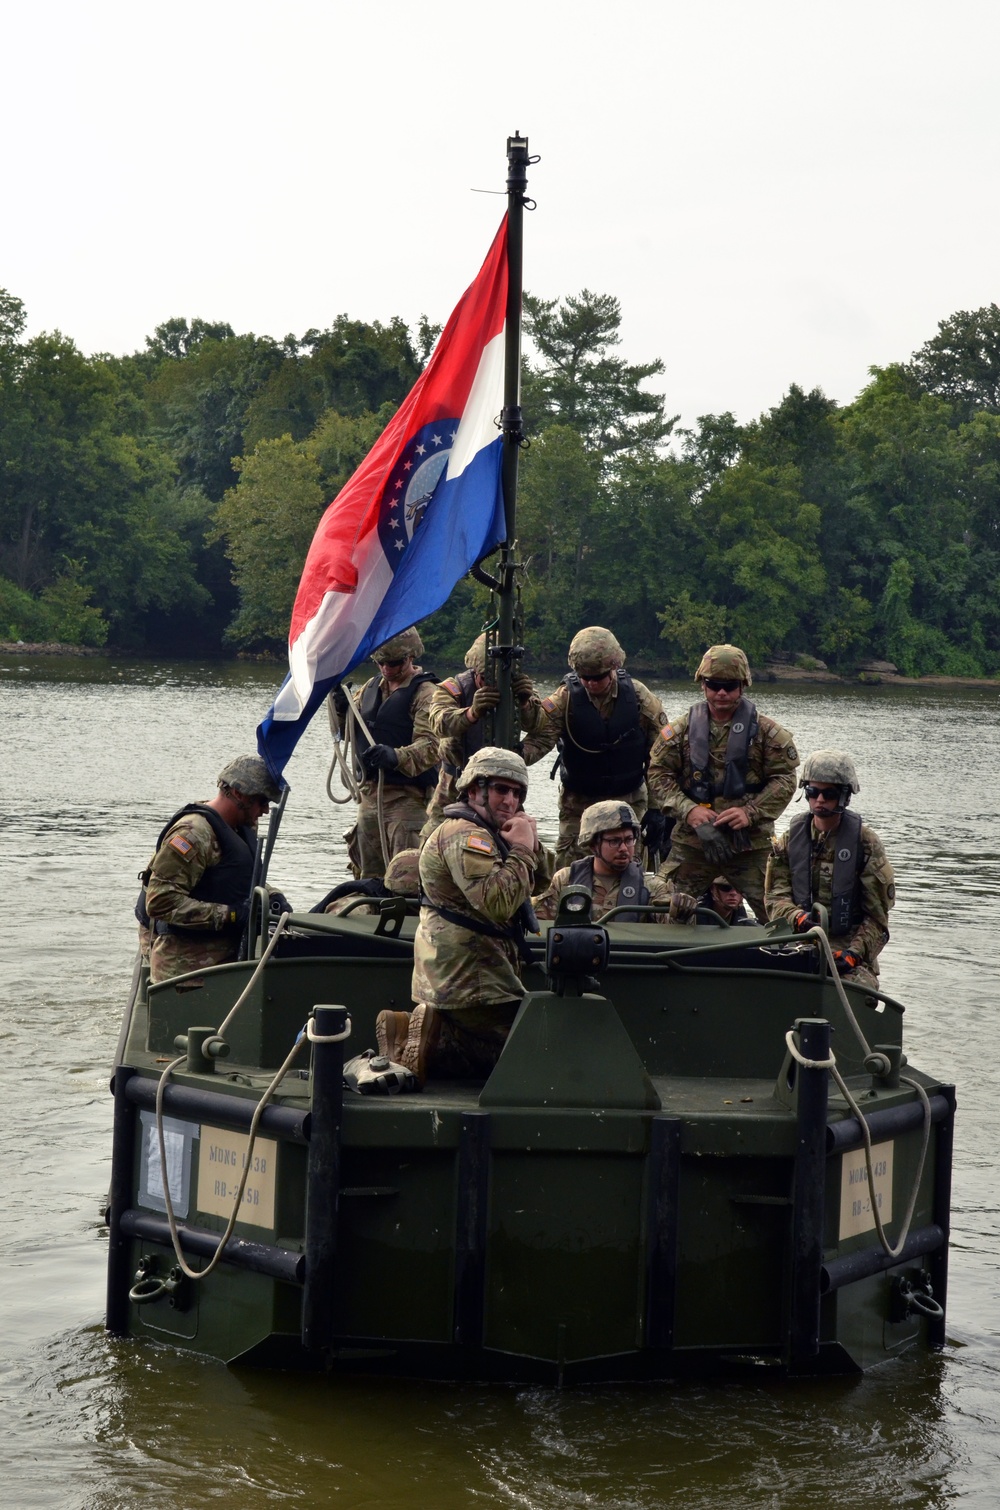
x=164, y=501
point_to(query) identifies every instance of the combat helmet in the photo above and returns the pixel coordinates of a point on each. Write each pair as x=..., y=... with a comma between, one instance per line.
x=249, y=775
x=595, y=650
x=402, y=874
x=835, y=768
x=726, y=661
x=491, y=761
x=601, y=817
x=475, y=656
x=407, y=642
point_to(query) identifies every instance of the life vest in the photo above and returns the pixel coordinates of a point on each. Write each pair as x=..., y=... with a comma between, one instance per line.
x=848, y=862
x=374, y=887
x=742, y=731
x=473, y=737
x=603, y=757
x=391, y=723
x=228, y=882
x=631, y=886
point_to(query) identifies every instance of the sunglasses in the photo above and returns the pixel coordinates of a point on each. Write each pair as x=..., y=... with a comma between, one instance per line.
x=736, y=889
x=594, y=676
x=393, y=664
x=718, y=684
x=504, y=789
x=831, y=793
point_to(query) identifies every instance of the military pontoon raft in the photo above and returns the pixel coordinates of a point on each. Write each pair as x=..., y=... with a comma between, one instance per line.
x=660, y=1179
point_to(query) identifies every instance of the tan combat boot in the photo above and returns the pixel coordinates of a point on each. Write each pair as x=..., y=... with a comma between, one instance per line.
x=391, y=1032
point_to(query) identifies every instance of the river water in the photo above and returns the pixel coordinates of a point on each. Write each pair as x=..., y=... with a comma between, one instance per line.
x=96, y=754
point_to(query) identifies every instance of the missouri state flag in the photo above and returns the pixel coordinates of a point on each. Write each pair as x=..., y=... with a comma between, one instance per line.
x=421, y=509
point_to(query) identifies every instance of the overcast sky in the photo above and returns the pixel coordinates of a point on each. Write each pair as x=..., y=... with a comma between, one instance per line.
x=777, y=192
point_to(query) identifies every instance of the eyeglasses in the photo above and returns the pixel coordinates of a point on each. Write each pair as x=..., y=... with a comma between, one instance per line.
x=831, y=793
x=720, y=684
x=504, y=789
x=593, y=676
x=620, y=841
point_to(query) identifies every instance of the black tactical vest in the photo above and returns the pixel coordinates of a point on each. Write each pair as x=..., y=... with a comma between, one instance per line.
x=228, y=882
x=848, y=861
x=631, y=886
x=391, y=723
x=474, y=736
x=742, y=730
x=603, y=757
x=375, y=888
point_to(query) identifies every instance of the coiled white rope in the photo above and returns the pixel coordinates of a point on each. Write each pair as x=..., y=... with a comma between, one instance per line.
x=345, y=760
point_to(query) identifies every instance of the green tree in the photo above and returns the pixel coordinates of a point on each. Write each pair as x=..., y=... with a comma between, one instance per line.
x=962, y=362
x=579, y=381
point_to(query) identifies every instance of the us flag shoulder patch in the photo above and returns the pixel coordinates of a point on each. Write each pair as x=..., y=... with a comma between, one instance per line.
x=666, y=732
x=481, y=844
x=183, y=846
x=450, y=685
x=548, y=705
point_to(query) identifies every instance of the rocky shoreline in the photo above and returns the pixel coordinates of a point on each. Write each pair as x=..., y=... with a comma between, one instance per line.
x=49, y=647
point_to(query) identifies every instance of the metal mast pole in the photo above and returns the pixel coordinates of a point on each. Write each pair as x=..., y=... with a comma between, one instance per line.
x=508, y=655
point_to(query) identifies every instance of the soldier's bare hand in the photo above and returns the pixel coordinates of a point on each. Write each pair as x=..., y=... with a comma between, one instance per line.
x=733, y=817
x=699, y=815
x=521, y=829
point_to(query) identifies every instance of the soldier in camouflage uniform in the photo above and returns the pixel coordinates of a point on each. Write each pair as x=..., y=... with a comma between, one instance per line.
x=605, y=723
x=610, y=831
x=476, y=874
x=829, y=855
x=196, y=890
x=725, y=772
x=395, y=708
x=402, y=879
x=456, y=716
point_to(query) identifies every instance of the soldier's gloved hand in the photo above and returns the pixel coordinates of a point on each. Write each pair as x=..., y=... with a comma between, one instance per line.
x=379, y=758
x=483, y=699
x=801, y=922
x=716, y=843
x=845, y=961
x=279, y=903
x=340, y=701
x=682, y=906
x=238, y=916
x=522, y=687
x=653, y=828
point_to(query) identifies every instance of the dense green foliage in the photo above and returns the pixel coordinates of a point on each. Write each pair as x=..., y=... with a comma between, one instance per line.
x=164, y=501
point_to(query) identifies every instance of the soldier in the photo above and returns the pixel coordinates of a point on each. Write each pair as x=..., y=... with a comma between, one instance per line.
x=195, y=899
x=726, y=899
x=610, y=830
x=476, y=874
x=725, y=772
x=831, y=856
x=402, y=879
x=605, y=724
x=394, y=707
x=456, y=717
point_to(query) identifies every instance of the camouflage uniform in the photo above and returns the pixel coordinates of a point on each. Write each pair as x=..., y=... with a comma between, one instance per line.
x=552, y=724
x=878, y=894
x=174, y=870
x=448, y=717
x=772, y=760
x=605, y=891
x=402, y=879
x=404, y=807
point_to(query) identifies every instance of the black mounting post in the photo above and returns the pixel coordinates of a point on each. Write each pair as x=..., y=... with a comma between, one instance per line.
x=504, y=729
x=323, y=1178
x=938, y=1262
x=119, y=1201
x=808, y=1191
